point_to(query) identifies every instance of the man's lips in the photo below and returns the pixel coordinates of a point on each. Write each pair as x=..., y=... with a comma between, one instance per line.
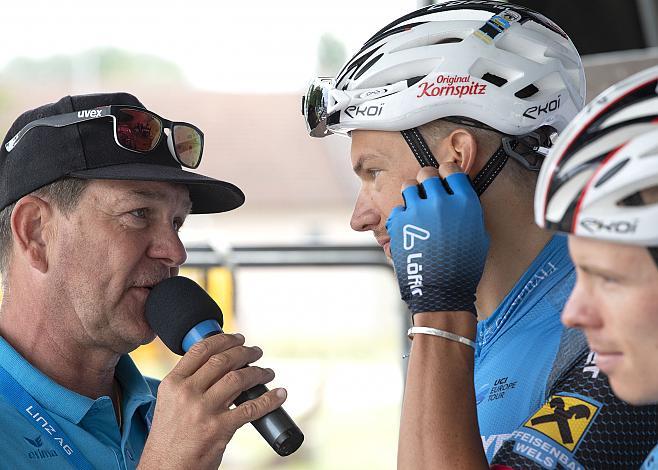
x=143, y=291
x=144, y=286
x=148, y=282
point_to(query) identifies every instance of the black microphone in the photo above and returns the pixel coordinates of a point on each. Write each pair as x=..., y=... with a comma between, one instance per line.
x=181, y=313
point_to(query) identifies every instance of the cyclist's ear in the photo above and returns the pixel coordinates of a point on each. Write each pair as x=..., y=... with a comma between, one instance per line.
x=460, y=147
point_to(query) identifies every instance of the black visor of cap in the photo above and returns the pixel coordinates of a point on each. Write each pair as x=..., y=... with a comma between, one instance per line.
x=208, y=195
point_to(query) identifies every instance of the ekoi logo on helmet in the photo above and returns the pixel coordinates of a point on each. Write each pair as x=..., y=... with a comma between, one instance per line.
x=593, y=225
x=364, y=111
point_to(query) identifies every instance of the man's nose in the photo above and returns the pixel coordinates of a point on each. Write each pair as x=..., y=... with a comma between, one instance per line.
x=168, y=247
x=364, y=216
x=581, y=309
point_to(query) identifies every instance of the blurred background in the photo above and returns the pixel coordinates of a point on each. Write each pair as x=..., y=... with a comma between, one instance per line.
x=286, y=269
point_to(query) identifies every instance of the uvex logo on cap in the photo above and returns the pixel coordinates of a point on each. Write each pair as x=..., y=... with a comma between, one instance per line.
x=90, y=113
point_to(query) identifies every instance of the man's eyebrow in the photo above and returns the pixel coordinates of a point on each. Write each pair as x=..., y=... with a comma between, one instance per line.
x=358, y=167
x=148, y=193
x=157, y=196
x=598, y=270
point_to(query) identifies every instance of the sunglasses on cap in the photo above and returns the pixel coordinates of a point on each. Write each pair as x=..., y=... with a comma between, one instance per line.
x=135, y=129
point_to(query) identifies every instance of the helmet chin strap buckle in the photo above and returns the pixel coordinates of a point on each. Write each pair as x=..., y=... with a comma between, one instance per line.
x=528, y=149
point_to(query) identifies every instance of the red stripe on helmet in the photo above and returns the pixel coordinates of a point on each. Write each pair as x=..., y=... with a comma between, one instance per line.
x=590, y=181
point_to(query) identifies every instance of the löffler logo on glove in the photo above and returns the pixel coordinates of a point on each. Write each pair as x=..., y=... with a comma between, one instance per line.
x=414, y=267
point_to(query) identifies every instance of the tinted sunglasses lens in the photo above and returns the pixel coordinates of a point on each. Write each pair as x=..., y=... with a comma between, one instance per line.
x=188, y=144
x=138, y=130
x=314, y=108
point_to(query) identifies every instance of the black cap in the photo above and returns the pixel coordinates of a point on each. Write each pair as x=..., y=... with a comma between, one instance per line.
x=87, y=150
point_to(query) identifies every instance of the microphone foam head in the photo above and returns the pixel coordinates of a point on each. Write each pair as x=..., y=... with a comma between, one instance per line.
x=174, y=306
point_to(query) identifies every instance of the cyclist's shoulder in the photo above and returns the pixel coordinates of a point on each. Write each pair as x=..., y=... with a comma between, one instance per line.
x=573, y=358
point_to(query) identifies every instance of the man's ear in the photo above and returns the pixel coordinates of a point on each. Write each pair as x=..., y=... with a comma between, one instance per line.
x=460, y=147
x=30, y=222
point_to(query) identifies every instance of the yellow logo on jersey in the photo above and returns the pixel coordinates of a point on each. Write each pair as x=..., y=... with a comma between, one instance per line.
x=565, y=419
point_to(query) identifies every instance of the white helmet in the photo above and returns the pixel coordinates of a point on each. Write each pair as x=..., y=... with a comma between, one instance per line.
x=590, y=183
x=494, y=63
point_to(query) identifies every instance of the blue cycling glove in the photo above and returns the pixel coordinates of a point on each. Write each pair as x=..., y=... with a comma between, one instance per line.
x=439, y=245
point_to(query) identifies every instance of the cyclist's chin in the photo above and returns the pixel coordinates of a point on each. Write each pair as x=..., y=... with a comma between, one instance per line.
x=632, y=382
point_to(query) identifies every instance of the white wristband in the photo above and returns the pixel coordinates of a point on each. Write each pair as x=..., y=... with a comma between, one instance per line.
x=443, y=334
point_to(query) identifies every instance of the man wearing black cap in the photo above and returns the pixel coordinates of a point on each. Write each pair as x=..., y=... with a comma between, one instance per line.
x=92, y=196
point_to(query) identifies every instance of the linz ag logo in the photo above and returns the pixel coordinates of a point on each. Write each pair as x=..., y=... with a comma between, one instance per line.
x=533, y=112
x=48, y=428
x=451, y=85
x=365, y=111
x=616, y=226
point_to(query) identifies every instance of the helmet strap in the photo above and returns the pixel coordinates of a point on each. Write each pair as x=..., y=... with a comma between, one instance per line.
x=489, y=172
x=423, y=154
x=419, y=147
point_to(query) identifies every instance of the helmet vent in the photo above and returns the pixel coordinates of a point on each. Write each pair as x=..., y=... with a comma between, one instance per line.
x=611, y=172
x=367, y=66
x=354, y=66
x=634, y=200
x=384, y=33
x=642, y=198
x=449, y=40
x=495, y=79
x=526, y=92
x=413, y=80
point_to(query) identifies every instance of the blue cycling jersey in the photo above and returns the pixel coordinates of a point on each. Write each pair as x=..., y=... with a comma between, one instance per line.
x=517, y=345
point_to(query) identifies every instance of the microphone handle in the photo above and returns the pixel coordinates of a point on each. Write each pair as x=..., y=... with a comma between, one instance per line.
x=276, y=427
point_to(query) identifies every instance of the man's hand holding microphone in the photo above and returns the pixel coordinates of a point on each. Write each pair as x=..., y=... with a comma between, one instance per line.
x=194, y=419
